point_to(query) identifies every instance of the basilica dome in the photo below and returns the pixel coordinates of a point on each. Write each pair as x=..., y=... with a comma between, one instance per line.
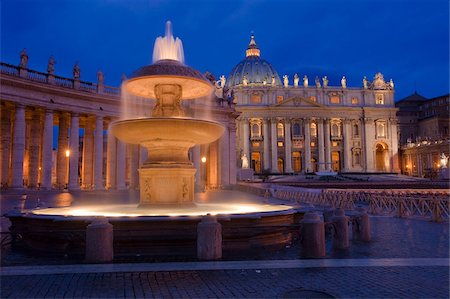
x=253, y=70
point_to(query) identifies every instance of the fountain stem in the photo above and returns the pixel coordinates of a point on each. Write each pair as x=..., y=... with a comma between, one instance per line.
x=168, y=101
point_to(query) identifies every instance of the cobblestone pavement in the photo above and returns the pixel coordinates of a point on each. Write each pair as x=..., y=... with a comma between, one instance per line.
x=346, y=282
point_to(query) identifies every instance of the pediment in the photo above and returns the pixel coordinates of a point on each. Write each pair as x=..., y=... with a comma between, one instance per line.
x=298, y=102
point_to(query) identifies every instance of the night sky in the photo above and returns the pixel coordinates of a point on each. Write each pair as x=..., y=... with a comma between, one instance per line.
x=407, y=41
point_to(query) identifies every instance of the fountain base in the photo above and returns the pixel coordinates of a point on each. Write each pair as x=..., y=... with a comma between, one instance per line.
x=166, y=185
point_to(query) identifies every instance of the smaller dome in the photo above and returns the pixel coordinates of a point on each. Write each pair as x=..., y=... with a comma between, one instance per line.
x=253, y=70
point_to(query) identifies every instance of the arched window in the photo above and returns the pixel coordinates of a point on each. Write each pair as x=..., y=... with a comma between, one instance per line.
x=313, y=130
x=381, y=129
x=355, y=130
x=296, y=129
x=280, y=130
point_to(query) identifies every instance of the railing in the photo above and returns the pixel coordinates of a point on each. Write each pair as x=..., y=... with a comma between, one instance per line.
x=64, y=82
x=111, y=90
x=37, y=76
x=9, y=69
x=88, y=86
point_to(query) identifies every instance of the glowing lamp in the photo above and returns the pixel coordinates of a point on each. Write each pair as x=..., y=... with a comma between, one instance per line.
x=67, y=153
x=203, y=159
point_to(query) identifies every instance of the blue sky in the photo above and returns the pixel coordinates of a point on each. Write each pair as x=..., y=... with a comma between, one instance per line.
x=405, y=40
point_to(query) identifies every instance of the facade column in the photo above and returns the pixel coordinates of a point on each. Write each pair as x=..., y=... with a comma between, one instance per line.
x=5, y=146
x=326, y=133
x=47, y=151
x=232, y=152
x=307, y=146
x=273, y=137
x=347, y=145
x=196, y=161
x=18, y=147
x=121, y=165
x=212, y=165
x=368, y=141
x=111, y=161
x=395, y=160
x=246, y=136
x=34, y=150
x=288, y=146
x=98, y=154
x=224, y=159
x=320, y=140
x=134, y=164
x=62, y=160
x=266, y=159
x=74, y=144
x=88, y=155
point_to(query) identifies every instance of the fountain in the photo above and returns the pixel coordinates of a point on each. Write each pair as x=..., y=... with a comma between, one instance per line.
x=165, y=220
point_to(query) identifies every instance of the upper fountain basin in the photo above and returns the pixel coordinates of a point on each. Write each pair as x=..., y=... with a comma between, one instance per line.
x=143, y=81
x=142, y=130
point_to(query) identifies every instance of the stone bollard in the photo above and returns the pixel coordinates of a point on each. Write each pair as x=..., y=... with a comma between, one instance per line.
x=361, y=229
x=340, y=223
x=209, y=238
x=99, y=241
x=313, y=236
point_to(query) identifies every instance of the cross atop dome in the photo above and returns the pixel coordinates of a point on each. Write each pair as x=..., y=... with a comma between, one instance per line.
x=252, y=49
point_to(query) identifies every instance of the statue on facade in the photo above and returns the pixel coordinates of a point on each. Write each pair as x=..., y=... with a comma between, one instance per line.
x=305, y=81
x=244, y=161
x=325, y=81
x=244, y=80
x=51, y=65
x=391, y=84
x=273, y=80
x=265, y=81
x=23, y=58
x=365, y=83
x=222, y=81
x=285, y=80
x=296, y=79
x=443, y=161
x=344, y=82
x=76, y=71
x=100, y=77
x=317, y=82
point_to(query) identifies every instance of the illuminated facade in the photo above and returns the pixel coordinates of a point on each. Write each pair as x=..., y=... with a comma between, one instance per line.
x=303, y=127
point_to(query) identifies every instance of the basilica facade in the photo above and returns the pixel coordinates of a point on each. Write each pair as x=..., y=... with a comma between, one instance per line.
x=292, y=126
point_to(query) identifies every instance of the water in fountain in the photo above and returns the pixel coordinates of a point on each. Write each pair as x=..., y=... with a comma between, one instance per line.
x=168, y=47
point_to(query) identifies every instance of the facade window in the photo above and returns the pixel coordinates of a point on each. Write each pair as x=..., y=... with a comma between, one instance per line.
x=279, y=99
x=313, y=98
x=379, y=99
x=355, y=130
x=381, y=130
x=280, y=143
x=334, y=99
x=296, y=129
x=256, y=99
x=256, y=130
x=313, y=130
x=355, y=101
x=280, y=130
x=335, y=130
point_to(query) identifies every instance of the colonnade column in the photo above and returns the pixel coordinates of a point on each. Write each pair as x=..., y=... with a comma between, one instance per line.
x=88, y=155
x=18, y=147
x=288, y=146
x=98, y=153
x=62, y=160
x=74, y=144
x=307, y=146
x=196, y=162
x=273, y=136
x=34, y=150
x=320, y=140
x=47, y=151
x=328, y=165
x=347, y=145
x=121, y=164
x=232, y=151
x=5, y=146
x=111, y=162
x=246, y=138
x=224, y=159
x=266, y=156
x=134, y=164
